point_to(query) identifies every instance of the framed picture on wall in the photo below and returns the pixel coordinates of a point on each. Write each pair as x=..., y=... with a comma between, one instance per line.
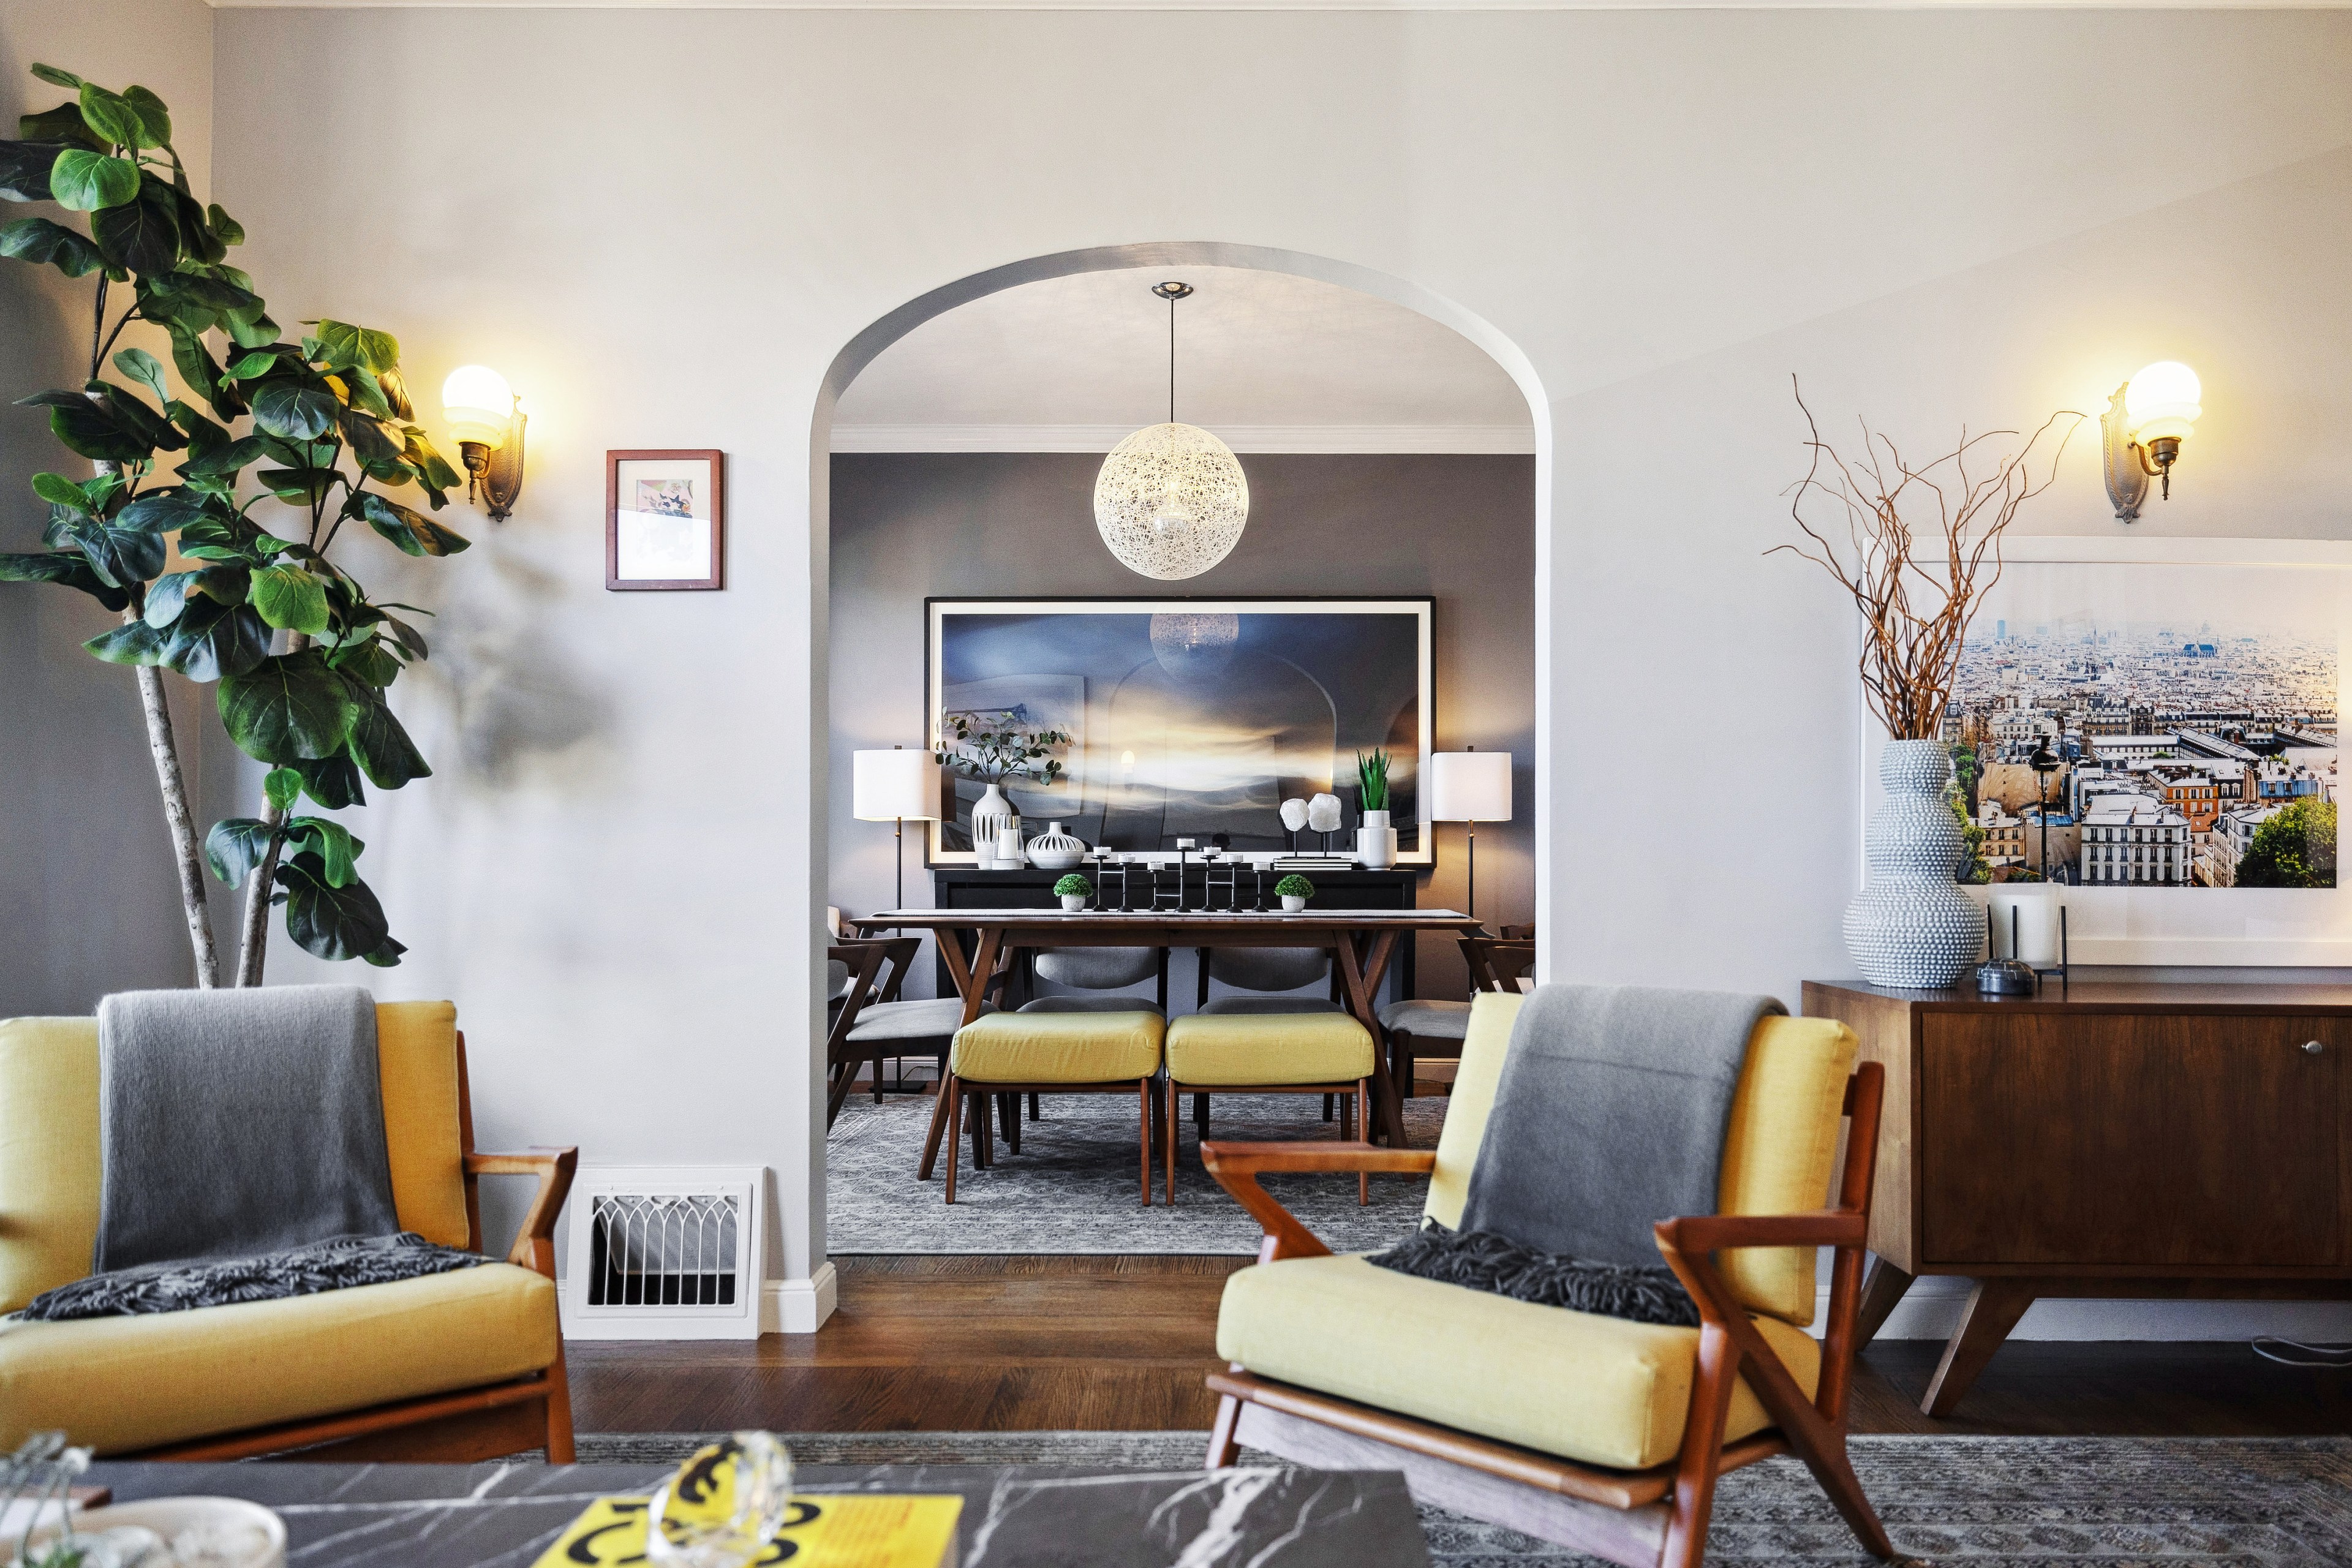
x=665, y=519
x=1186, y=718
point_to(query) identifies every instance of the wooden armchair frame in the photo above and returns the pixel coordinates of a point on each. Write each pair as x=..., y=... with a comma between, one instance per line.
x=483, y=1422
x=1656, y=1517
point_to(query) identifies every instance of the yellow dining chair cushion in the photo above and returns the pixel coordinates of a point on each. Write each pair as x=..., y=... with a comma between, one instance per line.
x=1599, y=1390
x=50, y=1152
x=1236, y=1050
x=1059, y=1047
x=124, y=1384
x=1779, y=1146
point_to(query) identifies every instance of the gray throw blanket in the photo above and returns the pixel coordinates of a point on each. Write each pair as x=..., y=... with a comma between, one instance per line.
x=335, y=1264
x=1610, y=1116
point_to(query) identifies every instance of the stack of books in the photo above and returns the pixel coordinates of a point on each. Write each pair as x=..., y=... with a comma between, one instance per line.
x=1314, y=863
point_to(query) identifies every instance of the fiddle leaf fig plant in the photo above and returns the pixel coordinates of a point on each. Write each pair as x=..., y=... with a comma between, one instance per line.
x=208, y=520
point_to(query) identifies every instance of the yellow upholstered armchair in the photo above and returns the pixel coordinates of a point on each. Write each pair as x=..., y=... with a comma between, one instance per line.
x=462, y=1366
x=1599, y=1433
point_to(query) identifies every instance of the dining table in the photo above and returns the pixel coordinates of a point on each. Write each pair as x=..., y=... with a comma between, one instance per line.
x=977, y=944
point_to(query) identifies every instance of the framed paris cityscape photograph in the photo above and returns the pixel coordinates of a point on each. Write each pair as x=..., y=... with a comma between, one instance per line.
x=2152, y=725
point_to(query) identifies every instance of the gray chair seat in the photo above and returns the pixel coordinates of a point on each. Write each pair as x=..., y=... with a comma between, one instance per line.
x=1270, y=1005
x=1091, y=1004
x=935, y=1019
x=1428, y=1020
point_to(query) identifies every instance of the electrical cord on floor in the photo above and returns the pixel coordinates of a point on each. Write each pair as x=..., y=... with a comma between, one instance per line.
x=2293, y=1352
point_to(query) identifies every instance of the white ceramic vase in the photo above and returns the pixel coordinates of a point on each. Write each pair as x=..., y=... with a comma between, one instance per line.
x=1073, y=903
x=1376, y=841
x=1292, y=903
x=1055, y=850
x=1911, y=927
x=992, y=814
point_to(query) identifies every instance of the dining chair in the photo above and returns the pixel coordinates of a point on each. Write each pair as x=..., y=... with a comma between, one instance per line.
x=1264, y=969
x=871, y=1024
x=996, y=1059
x=1100, y=969
x=1292, y=1052
x=1423, y=1027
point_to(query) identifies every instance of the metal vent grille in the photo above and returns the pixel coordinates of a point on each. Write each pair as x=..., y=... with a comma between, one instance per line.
x=666, y=1253
x=663, y=1251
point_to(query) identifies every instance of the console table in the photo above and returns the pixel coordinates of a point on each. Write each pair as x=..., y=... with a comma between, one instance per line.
x=2137, y=1141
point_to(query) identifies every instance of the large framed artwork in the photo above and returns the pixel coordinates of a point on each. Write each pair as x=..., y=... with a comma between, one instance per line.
x=1186, y=718
x=2182, y=697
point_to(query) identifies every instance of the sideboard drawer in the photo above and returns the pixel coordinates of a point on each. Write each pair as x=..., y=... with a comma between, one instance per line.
x=2131, y=1139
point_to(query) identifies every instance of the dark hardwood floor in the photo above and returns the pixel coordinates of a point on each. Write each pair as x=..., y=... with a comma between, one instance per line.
x=992, y=1343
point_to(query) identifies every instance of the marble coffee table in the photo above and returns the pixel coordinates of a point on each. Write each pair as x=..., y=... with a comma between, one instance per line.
x=1026, y=1516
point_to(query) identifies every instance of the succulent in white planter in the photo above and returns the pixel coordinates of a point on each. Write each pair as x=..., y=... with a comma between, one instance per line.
x=1294, y=891
x=1073, y=890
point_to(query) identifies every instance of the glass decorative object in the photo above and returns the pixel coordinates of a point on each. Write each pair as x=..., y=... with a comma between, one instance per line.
x=724, y=1507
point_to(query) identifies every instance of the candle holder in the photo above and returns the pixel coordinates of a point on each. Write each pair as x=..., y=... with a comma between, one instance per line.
x=2012, y=976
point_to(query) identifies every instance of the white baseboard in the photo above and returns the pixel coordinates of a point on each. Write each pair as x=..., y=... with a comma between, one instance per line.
x=798, y=1306
x=1931, y=1310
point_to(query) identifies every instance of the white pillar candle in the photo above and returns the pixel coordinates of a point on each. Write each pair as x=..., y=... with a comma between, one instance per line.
x=2033, y=910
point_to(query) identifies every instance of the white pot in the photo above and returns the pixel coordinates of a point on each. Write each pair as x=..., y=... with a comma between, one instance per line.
x=1376, y=843
x=1074, y=903
x=1292, y=903
x=992, y=814
x=1055, y=850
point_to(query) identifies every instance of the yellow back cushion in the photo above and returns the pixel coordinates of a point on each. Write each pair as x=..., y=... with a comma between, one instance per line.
x=1778, y=1147
x=49, y=1154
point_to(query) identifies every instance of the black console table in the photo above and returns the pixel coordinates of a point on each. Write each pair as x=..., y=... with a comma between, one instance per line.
x=1030, y=888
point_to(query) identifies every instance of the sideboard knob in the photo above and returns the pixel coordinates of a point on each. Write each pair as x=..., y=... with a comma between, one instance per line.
x=2312, y=1047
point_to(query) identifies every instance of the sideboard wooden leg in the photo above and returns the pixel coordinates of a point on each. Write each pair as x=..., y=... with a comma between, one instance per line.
x=1993, y=1308
x=1881, y=1294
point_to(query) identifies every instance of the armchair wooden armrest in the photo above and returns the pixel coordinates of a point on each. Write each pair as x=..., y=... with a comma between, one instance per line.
x=534, y=1244
x=1237, y=1167
x=1703, y=1234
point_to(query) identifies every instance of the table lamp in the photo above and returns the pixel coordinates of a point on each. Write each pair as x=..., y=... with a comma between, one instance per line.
x=891, y=786
x=1471, y=786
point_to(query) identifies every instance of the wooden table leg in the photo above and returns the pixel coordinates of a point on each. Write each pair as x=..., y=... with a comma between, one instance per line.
x=971, y=990
x=1993, y=1308
x=1881, y=1293
x=1360, y=1002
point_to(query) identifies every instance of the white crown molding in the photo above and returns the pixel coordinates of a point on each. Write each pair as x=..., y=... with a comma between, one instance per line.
x=1479, y=439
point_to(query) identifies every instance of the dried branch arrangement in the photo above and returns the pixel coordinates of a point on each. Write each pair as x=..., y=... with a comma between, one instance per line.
x=1921, y=548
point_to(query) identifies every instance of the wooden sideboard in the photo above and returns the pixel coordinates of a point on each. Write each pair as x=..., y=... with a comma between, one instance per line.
x=2118, y=1140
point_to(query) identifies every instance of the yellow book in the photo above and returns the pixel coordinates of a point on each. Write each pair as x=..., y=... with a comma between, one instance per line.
x=856, y=1530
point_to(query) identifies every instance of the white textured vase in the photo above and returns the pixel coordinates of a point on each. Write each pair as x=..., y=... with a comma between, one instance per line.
x=1911, y=927
x=992, y=814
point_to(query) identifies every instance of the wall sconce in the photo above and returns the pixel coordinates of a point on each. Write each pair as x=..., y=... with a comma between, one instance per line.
x=487, y=418
x=2141, y=432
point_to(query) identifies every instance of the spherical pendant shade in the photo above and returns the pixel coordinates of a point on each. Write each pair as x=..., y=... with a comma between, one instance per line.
x=1171, y=501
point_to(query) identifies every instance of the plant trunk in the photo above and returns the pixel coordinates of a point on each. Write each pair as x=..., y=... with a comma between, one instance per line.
x=186, y=850
x=252, y=946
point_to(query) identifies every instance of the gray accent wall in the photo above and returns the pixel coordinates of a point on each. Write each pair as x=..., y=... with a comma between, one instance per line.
x=909, y=525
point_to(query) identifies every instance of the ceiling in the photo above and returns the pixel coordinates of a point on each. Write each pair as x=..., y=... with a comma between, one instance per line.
x=1270, y=361
x=1278, y=4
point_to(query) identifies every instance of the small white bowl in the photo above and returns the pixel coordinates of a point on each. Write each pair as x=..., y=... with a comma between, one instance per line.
x=168, y=1515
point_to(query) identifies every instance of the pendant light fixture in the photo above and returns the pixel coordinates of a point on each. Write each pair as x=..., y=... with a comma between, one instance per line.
x=1171, y=501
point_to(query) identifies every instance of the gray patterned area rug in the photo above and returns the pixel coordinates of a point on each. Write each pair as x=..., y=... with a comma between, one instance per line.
x=2083, y=1503
x=1073, y=1187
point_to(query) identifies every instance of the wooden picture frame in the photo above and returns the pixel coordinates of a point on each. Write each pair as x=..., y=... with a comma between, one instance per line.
x=649, y=552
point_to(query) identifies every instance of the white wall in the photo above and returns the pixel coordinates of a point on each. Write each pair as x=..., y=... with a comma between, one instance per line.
x=663, y=226
x=86, y=869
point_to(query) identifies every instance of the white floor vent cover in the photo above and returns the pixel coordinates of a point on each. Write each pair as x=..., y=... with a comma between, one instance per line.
x=666, y=1252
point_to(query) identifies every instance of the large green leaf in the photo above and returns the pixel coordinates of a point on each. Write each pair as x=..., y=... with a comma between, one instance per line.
x=155, y=119
x=230, y=231
x=91, y=428
x=131, y=412
x=331, y=842
x=56, y=76
x=59, y=490
x=281, y=787
x=203, y=373
x=370, y=442
x=25, y=170
x=294, y=410
x=368, y=660
x=333, y=782
x=82, y=180
x=67, y=568
x=133, y=642
x=142, y=234
x=235, y=846
x=160, y=511
x=61, y=126
x=214, y=641
x=342, y=346
x=326, y=920
x=297, y=486
x=120, y=555
x=139, y=366
x=169, y=594
x=112, y=118
x=46, y=244
x=415, y=534
x=290, y=598
x=223, y=462
x=291, y=708
x=382, y=746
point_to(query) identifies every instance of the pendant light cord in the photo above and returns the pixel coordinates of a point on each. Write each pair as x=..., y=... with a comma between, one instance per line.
x=1172, y=364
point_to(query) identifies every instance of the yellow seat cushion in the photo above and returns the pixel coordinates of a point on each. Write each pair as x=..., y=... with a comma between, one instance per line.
x=124, y=1384
x=49, y=1150
x=1236, y=1050
x=1059, y=1047
x=1778, y=1147
x=1599, y=1390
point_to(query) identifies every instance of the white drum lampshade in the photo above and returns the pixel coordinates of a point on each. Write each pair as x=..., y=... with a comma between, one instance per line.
x=1471, y=786
x=895, y=785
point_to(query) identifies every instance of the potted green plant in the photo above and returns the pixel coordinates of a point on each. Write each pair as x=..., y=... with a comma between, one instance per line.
x=1073, y=890
x=1376, y=840
x=1294, y=891
x=994, y=749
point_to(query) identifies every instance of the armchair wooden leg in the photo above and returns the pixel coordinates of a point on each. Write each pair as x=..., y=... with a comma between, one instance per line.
x=1993, y=1308
x=1693, y=1494
x=1222, y=1448
x=944, y=1113
x=1834, y=1472
x=559, y=1410
x=954, y=1108
x=1881, y=1294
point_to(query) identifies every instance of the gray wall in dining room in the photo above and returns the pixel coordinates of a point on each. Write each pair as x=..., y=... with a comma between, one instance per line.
x=1006, y=524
